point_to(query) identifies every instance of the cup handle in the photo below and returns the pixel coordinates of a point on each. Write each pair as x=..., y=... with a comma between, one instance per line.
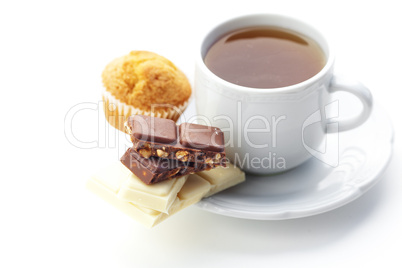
x=339, y=83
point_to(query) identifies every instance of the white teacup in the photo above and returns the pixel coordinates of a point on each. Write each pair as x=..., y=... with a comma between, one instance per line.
x=273, y=130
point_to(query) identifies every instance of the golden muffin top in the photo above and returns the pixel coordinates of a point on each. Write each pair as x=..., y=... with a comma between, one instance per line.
x=143, y=78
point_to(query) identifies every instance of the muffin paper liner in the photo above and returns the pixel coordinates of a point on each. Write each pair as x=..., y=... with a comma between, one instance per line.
x=117, y=112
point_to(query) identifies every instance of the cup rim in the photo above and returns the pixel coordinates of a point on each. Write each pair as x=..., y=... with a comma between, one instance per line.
x=287, y=89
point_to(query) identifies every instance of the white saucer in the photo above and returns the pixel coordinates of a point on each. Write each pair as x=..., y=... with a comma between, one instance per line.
x=313, y=187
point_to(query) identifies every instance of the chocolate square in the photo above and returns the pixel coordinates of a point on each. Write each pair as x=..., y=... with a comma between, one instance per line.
x=154, y=129
x=201, y=137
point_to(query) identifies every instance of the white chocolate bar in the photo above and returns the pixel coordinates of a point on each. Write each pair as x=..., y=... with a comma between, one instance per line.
x=159, y=196
x=112, y=177
x=222, y=178
x=192, y=191
x=108, y=183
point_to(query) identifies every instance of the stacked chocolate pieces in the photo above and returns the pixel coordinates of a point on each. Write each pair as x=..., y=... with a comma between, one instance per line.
x=162, y=150
x=170, y=167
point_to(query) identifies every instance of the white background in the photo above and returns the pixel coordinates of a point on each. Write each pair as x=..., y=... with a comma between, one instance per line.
x=51, y=58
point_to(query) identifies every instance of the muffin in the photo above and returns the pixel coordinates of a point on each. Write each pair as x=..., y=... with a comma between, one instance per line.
x=143, y=83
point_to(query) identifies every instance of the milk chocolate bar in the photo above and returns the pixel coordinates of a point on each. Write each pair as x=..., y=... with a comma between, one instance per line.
x=154, y=169
x=152, y=136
